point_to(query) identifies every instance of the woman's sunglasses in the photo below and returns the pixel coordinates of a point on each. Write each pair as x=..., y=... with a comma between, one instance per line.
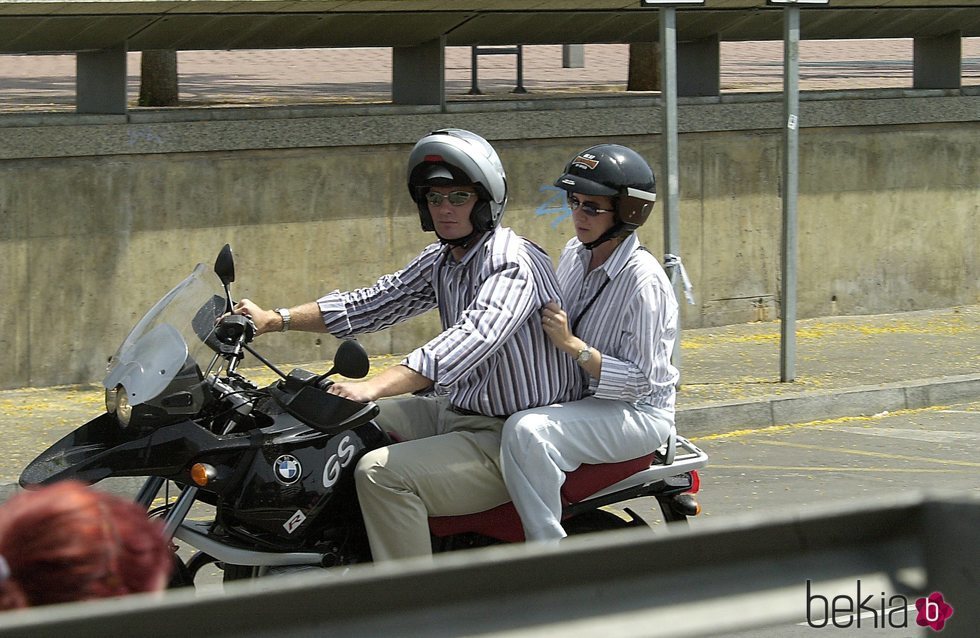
x=588, y=208
x=456, y=198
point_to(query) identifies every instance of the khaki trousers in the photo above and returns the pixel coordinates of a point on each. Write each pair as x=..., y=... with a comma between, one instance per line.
x=447, y=464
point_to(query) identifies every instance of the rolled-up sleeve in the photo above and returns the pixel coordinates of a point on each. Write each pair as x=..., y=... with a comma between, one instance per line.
x=394, y=298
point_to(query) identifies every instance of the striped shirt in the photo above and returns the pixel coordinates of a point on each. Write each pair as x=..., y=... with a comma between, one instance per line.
x=492, y=356
x=633, y=321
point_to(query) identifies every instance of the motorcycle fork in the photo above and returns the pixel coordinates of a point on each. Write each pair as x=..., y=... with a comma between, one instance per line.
x=151, y=487
x=175, y=513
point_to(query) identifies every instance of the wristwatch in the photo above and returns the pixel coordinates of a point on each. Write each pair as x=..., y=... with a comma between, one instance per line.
x=584, y=355
x=286, y=318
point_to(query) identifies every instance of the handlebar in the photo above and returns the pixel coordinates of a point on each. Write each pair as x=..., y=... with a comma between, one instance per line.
x=232, y=329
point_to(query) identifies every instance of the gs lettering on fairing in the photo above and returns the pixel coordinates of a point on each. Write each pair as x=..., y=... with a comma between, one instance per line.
x=340, y=459
x=267, y=502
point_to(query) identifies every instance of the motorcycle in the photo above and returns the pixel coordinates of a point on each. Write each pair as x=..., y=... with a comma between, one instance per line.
x=275, y=464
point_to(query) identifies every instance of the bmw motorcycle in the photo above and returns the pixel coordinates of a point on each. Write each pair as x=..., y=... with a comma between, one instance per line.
x=275, y=464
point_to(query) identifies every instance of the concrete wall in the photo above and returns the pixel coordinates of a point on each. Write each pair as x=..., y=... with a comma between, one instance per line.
x=102, y=215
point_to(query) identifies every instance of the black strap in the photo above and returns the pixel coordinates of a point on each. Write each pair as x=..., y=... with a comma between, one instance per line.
x=589, y=305
x=593, y=300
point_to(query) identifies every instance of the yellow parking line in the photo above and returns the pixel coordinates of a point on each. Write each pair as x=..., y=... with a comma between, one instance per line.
x=809, y=424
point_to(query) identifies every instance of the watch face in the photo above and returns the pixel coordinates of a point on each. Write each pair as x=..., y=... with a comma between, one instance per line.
x=584, y=355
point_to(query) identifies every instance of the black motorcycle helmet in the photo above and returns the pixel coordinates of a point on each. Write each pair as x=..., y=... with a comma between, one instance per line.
x=454, y=157
x=613, y=171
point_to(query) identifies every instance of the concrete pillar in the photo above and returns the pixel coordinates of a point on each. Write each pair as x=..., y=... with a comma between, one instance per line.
x=937, y=62
x=573, y=56
x=699, y=67
x=100, y=81
x=419, y=73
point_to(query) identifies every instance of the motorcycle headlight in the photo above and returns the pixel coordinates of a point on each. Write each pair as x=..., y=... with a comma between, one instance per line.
x=124, y=411
x=111, y=399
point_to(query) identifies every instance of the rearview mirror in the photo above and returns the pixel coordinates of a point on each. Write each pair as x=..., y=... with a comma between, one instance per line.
x=224, y=265
x=351, y=360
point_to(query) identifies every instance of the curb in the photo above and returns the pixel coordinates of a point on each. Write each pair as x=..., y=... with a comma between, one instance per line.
x=721, y=418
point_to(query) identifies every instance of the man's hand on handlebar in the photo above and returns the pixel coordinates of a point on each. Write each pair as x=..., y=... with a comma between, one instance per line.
x=391, y=382
x=264, y=320
x=360, y=391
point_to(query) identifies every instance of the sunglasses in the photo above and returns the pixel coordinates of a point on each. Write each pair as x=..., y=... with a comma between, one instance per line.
x=456, y=198
x=588, y=208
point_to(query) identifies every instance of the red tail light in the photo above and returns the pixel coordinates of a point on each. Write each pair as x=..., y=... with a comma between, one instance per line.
x=695, y=483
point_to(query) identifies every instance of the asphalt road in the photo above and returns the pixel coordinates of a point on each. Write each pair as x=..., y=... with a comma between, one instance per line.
x=806, y=465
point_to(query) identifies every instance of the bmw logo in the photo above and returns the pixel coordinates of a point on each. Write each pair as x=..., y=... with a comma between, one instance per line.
x=288, y=469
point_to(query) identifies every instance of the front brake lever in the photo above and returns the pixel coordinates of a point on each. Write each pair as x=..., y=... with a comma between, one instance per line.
x=250, y=330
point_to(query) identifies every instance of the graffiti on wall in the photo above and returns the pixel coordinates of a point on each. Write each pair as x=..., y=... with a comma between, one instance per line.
x=556, y=205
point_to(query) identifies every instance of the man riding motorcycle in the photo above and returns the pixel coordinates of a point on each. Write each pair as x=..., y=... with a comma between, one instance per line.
x=491, y=360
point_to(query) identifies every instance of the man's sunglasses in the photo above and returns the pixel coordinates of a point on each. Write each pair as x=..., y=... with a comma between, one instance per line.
x=456, y=198
x=588, y=208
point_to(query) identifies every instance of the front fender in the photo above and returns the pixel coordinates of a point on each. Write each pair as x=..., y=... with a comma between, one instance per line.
x=100, y=449
x=75, y=455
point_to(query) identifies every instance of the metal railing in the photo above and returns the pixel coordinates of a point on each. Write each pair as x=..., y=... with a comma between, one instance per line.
x=741, y=574
x=477, y=51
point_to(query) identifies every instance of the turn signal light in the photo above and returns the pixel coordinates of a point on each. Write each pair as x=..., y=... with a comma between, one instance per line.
x=686, y=504
x=202, y=474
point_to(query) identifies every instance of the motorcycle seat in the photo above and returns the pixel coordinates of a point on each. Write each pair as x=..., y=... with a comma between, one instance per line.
x=503, y=523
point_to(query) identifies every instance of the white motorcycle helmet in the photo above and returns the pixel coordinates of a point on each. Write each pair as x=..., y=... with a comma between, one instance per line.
x=454, y=157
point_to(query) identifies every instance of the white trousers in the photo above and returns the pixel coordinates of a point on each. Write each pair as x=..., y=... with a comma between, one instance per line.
x=539, y=445
x=446, y=465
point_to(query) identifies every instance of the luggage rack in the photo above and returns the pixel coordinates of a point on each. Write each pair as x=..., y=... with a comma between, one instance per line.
x=688, y=457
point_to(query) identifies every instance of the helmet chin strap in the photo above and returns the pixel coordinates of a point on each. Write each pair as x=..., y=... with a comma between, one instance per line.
x=618, y=230
x=462, y=242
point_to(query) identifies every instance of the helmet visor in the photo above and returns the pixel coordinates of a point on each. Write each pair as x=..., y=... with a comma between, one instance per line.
x=577, y=184
x=440, y=175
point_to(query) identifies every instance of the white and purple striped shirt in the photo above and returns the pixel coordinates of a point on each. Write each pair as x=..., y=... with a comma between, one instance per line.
x=492, y=356
x=633, y=321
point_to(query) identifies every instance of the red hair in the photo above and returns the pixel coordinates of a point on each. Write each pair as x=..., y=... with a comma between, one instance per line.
x=68, y=542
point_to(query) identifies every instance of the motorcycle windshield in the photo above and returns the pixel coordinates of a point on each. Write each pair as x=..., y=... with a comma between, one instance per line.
x=170, y=337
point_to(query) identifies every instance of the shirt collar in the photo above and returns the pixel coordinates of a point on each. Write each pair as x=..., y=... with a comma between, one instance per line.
x=617, y=260
x=447, y=250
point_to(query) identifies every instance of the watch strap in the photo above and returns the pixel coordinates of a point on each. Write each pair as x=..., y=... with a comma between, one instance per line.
x=286, y=318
